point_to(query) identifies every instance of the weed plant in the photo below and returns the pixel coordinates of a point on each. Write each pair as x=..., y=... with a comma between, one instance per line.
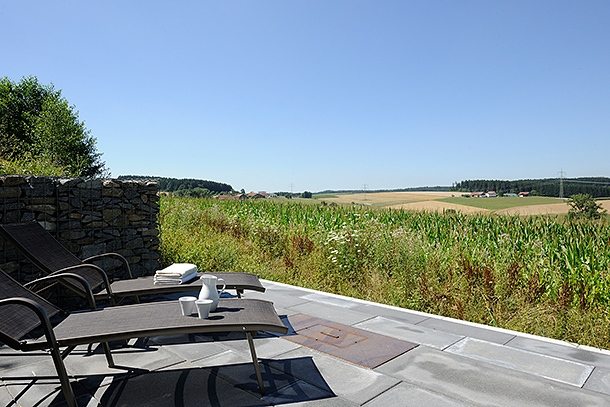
x=542, y=275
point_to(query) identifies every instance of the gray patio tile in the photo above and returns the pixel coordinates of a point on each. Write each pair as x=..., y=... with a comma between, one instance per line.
x=330, y=300
x=228, y=357
x=561, y=370
x=561, y=351
x=285, y=311
x=5, y=397
x=599, y=380
x=405, y=394
x=194, y=351
x=401, y=315
x=348, y=381
x=328, y=402
x=409, y=332
x=38, y=385
x=265, y=347
x=467, y=330
x=9, y=359
x=477, y=383
x=331, y=312
x=282, y=299
x=134, y=358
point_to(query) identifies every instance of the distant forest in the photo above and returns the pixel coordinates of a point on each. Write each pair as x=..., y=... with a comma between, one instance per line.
x=359, y=191
x=175, y=184
x=594, y=186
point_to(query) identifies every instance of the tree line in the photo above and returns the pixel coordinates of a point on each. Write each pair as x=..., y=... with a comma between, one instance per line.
x=594, y=186
x=183, y=186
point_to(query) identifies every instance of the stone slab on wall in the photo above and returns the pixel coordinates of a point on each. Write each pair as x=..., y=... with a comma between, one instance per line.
x=89, y=217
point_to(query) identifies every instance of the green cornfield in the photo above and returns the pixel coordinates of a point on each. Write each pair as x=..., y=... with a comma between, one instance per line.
x=542, y=275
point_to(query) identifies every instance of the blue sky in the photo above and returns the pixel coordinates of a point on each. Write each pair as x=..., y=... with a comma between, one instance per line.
x=314, y=95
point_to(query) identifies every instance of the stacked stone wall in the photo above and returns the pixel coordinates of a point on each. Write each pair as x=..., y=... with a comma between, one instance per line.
x=89, y=217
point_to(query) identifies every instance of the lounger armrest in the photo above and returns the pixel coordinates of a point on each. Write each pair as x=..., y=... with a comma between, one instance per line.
x=97, y=269
x=40, y=313
x=116, y=255
x=67, y=276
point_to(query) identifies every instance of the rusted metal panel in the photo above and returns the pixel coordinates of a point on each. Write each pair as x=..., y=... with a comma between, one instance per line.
x=354, y=345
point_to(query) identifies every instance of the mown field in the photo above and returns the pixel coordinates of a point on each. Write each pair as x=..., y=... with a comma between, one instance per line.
x=494, y=204
x=537, y=274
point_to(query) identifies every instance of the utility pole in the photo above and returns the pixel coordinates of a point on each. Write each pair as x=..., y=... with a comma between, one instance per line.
x=561, y=173
x=364, y=188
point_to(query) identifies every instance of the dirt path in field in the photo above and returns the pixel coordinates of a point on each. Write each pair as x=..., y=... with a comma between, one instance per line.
x=437, y=206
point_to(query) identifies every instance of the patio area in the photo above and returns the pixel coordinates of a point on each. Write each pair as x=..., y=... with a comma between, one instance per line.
x=412, y=359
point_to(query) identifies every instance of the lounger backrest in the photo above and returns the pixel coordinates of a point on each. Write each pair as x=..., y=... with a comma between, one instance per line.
x=16, y=321
x=45, y=251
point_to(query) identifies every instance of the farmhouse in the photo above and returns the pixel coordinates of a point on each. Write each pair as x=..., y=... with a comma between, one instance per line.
x=523, y=194
x=490, y=194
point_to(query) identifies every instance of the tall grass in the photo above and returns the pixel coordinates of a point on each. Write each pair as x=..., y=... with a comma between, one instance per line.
x=541, y=275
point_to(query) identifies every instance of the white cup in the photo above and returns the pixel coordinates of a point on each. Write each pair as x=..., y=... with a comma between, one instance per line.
x=203, y=308
x=187, y=305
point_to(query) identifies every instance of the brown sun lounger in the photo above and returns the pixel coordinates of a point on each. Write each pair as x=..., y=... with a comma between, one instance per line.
x=23, y=311
x=50, y=256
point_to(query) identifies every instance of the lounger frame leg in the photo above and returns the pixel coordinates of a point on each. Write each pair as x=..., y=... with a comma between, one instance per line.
x=257, y=368
x=66, y=388
x=108, y=354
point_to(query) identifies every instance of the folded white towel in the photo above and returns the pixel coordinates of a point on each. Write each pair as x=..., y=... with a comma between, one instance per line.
x=174, y=280
x=177, y=270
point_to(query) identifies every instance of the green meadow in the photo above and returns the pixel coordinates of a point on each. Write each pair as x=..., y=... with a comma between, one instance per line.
x=537, y=274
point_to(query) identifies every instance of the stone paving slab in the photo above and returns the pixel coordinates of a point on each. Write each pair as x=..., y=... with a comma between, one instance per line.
x=409, y=332
x=561, y=351
x=330, y=312
x=153, y=358
x=330, y=300
x=405, y=394
x=481, y=384
x=392, y=313
x=467, y=330
x=561, y=370
x=348, y=381
x=599, y=381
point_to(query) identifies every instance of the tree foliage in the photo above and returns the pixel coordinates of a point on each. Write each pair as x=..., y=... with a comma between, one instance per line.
x=175, y=184
x=583, y=206
x=594, y=186
x=37, y=124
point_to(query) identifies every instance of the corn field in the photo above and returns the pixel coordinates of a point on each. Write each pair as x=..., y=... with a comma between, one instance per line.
x=542, y=275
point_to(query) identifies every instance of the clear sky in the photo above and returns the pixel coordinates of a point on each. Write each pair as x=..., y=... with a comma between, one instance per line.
x=314, y=95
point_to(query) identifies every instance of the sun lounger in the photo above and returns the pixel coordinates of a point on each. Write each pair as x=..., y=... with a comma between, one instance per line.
x=23, y=311
x=50, y=256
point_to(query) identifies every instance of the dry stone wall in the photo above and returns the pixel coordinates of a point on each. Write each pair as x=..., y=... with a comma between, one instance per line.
x=88, y=216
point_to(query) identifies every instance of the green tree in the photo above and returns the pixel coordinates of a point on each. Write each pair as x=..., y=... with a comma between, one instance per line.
x=37, y=124
x=584, y=206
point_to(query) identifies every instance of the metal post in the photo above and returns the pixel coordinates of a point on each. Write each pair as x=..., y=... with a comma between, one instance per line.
x=257, y=368
x=66, y=388
x=108, y=354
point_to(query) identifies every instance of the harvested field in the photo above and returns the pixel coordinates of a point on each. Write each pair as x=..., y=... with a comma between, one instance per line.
x=441, y=201
x=387, y=199
x=437, y=206
x=550, y=209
